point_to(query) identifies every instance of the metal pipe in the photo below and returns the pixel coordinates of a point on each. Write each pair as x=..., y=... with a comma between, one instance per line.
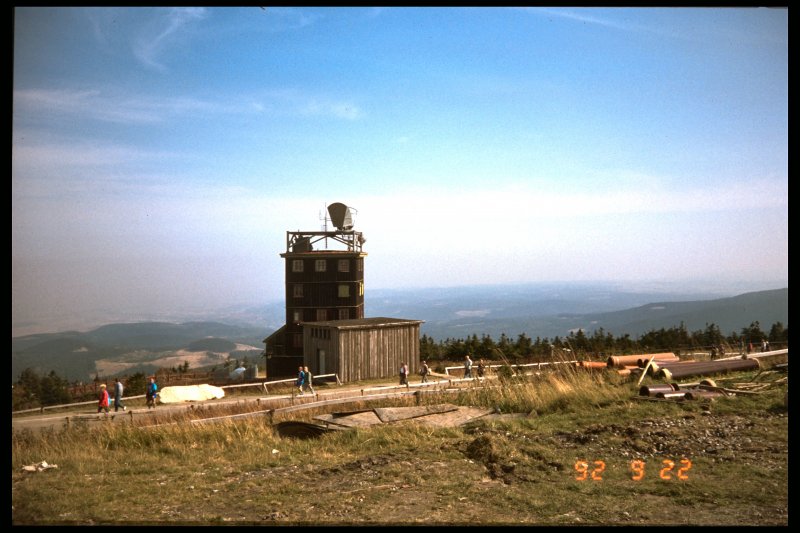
x=670, y=395
x=697, y=394
x=641, y=362
x=706, y=368
x=652, y=390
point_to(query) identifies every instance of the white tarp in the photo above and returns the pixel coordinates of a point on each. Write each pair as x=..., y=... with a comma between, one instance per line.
x=189, y=393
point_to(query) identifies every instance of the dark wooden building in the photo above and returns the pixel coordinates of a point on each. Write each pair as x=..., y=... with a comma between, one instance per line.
x=361, y=348
x=324, y=273
x=325, y=328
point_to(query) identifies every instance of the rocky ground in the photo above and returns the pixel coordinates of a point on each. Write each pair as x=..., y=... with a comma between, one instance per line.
x=496, y=476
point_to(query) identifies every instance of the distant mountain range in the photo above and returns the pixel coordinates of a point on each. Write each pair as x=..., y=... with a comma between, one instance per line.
x=543, y=310
x=555, y=311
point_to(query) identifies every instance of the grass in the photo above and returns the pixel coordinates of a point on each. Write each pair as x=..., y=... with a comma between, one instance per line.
x=504, y=471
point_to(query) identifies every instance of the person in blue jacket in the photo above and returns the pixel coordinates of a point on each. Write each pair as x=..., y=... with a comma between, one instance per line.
x=152, y=392
x=301, y=379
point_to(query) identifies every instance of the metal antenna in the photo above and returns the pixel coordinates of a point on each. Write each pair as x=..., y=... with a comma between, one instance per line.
x=324, y=218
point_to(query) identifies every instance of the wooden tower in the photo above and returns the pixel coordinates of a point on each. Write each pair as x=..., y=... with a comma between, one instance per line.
x=324, y=273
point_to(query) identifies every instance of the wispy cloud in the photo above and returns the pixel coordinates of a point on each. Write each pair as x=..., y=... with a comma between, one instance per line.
x=164, y=31
x=589, y=16
x=293, y=18
x=111, y=106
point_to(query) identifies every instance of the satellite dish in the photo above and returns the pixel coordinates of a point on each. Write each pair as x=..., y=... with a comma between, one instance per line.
x=341, y=216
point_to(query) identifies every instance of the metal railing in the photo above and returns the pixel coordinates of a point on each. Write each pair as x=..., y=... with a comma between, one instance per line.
x=262, y=384
x=447, y=369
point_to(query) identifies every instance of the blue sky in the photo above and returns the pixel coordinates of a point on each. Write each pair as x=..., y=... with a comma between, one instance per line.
x=159, y=155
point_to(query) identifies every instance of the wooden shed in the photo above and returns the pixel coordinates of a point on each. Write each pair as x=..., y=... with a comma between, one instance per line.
x=362, y=348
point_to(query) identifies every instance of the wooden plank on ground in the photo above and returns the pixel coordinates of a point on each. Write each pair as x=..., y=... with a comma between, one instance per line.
x=454, y=418
x=394, y=414
x=363, y=419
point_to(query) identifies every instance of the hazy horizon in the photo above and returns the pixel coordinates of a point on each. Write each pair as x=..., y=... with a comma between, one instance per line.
x=242, y=312
x=159, y=155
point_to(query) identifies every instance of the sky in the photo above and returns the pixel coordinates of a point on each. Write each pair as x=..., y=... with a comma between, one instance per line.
x=160, y=155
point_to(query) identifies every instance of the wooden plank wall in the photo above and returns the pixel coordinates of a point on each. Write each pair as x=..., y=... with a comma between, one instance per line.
x=376, y=352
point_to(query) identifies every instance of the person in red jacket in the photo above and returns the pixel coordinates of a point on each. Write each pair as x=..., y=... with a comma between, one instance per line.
x=103, y=396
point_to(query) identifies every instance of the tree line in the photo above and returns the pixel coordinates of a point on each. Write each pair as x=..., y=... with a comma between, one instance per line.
x=601, y=344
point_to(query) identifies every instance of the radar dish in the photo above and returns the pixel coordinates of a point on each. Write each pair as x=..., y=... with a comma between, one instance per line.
x=341, y=216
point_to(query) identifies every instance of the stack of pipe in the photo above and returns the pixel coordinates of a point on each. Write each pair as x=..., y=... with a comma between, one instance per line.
x=626, y=370
x=664, y=358
x=620, y=361
x=704, y=368
x=671, y=391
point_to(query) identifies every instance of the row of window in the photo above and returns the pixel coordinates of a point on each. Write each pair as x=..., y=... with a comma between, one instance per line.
x=317, y=333
x=324, y=314
x=343, y=290
x=321, y=333
x=321, y=265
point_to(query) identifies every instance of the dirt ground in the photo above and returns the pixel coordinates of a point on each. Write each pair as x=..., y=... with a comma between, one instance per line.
x=501, y=477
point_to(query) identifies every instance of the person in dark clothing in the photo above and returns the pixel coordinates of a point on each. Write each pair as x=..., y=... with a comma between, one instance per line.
x=424, y=371
x=301, y=379
x=118, y=389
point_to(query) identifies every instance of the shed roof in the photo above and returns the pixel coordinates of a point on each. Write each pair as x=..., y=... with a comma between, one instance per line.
x=364, y=323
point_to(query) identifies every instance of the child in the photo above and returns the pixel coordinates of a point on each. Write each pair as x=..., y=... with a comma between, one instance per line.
x=103, y=397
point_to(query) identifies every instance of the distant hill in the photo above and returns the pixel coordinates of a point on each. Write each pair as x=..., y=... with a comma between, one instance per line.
x=729, y=314
x=73, y=354
x=543, y=310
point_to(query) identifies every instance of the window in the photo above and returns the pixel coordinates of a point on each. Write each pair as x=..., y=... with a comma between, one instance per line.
x=320, y=265
x=297, y=265
x=344, y=265
x=344, y=291
x=298, y=290
x=344, y=314
x=322, y=315
x=360, y=263
x=298, y=340
x=361, y=289
x=297, y=315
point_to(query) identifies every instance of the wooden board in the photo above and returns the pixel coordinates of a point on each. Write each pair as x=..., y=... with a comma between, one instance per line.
x=363, y=419
x=394, y=414
x=460, y=416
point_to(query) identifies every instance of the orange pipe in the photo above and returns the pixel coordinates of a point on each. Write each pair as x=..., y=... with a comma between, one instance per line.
x=641, y=363
x=592, y=364
x=619, y=361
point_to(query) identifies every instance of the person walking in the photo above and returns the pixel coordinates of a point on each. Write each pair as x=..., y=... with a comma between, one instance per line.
x=152, y=392
x=403, y=374
x=307, y=380
x=467, y=367
x=118, y=389
x=481, y=368
x=301, y=379
x=102, y=404
x=424, y=371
